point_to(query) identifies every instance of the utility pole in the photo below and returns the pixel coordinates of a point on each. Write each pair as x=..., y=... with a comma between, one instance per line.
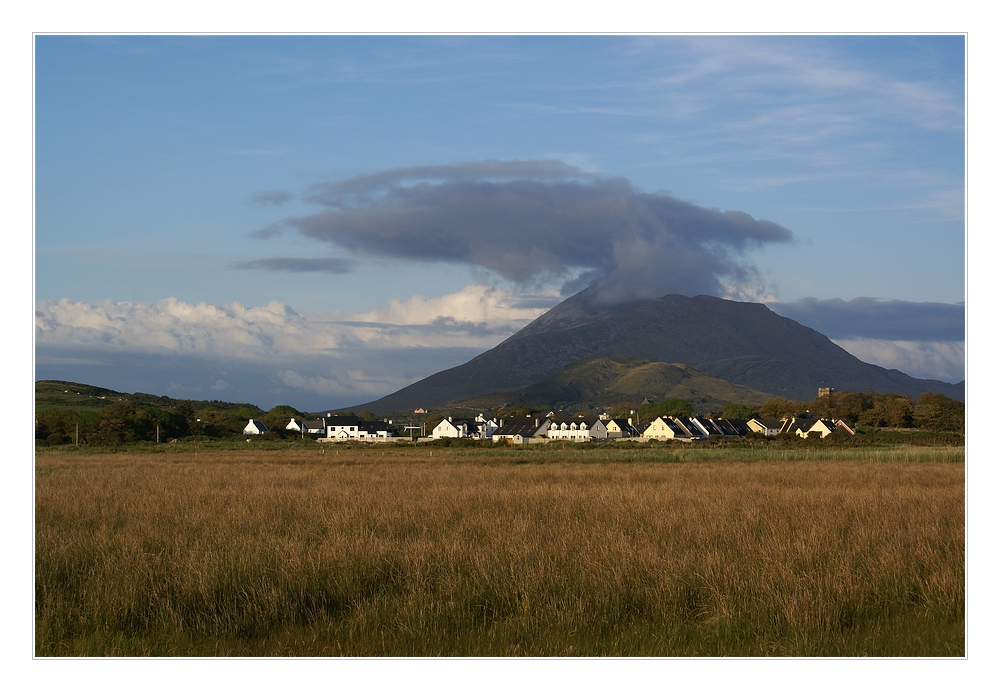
x=77, y=434
x=157, y=433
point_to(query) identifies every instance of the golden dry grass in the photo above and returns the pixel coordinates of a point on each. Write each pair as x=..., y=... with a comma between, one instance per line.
x=397, y=552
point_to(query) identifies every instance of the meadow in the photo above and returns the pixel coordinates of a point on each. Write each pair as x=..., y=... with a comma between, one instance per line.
x=321, y=550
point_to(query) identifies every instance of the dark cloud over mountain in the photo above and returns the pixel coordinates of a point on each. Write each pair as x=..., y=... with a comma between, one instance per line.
x=533, y=221
x=894, y=320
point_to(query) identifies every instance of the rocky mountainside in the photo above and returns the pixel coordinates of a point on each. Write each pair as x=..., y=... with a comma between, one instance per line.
x=743, y=343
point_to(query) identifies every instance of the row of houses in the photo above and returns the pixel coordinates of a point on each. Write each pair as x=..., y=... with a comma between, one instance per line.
x=587, y=429
x=331, y=427
x=573, y=428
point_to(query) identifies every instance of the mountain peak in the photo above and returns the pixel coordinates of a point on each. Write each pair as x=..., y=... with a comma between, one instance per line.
x=745, y=344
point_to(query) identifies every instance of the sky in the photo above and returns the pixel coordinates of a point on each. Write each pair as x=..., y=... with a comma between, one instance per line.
x=321, y=220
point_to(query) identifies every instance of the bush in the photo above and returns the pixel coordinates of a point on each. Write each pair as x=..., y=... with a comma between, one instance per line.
x=57, y=439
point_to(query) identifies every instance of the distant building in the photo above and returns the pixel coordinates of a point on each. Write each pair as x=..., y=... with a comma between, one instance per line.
x=254, y=427
x=826, y=391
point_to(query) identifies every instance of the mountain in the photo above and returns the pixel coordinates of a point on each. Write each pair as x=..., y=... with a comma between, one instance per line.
x=603, y=382
x=743, y=343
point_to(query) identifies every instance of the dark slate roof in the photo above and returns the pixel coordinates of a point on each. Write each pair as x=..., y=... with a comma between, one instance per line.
x=342, y=420
x=726, y=427
x=524, y=428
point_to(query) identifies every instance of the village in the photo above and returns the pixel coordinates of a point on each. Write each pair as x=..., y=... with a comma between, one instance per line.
x=553, y=427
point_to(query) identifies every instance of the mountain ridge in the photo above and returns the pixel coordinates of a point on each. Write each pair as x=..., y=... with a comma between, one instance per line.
x=745, y=344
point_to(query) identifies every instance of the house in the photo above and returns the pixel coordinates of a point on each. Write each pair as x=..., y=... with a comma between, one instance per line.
x=254, y=428
x=726, y=427
x=702, y=427
x=455, y=427
x=485, y=427
x=374, y=430
x=621, y=427
x=824, y=427
x=797, y=425
x=765, y=426
x=739, y=427
x=478, y=428
x=353, y=428
x=664, y=428
x=578, y=429
x=420, y=410
x=308, y=427
x=522, y=430
x=342, y=427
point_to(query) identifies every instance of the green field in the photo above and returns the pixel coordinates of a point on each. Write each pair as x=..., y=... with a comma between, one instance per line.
x=320, y=550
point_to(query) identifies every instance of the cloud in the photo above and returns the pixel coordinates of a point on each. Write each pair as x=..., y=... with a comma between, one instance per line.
x=271, y=354
x=938, y=361
x=328, y=265
x=540, y=221
x=477, y=317
x=270, y=198
x=868, y=318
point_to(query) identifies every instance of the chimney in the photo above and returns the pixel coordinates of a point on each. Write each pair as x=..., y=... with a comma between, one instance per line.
x=449, y=419
x=630, y=421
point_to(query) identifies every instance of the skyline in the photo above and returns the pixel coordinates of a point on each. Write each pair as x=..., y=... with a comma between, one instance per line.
x=312, y=219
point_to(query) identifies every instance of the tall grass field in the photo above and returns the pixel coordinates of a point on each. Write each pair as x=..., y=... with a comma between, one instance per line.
x=401, y=551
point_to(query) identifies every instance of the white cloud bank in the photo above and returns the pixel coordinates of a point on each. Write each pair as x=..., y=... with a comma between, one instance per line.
x=943, y=360
x=475, y=317
x=271, y=354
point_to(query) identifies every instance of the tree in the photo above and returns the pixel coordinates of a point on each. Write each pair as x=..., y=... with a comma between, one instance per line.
x=781, y=408
x=888, y=410
x=279, y=416
x=664, y=408
x=737, y=412
x=938, y=412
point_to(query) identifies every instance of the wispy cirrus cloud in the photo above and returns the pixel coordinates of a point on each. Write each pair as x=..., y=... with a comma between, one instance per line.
x=327, y=265
x=270, y=198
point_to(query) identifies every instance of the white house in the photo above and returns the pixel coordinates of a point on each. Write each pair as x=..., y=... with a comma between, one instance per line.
x=577, y=429
x=664, y=428
x=254, y=427
x=455, y=427
x=309, y=427
x=521, y=430
x=824, y=427
x=342, y=427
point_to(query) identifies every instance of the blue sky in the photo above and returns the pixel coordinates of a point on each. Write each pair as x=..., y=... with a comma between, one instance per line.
x=320, y=220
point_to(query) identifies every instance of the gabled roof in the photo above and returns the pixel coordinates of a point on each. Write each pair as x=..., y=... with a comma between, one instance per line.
x=740, y=426
x=625, y=426
x=522, y=427
x=769, y=423
x=726, y=427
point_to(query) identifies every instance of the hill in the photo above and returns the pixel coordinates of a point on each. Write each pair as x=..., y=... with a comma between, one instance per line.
x=52, y=395
x=603, y=382
x=742, y=343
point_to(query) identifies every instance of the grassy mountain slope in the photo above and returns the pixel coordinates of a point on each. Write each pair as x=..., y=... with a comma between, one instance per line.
x=607, y=381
